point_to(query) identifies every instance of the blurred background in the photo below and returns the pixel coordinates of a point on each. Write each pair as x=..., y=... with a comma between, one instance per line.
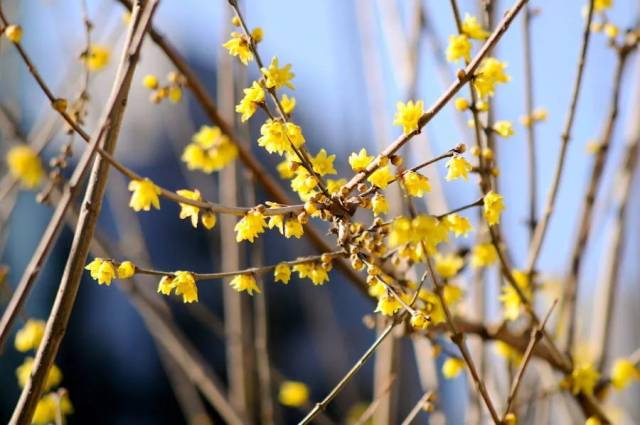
x=350, y=59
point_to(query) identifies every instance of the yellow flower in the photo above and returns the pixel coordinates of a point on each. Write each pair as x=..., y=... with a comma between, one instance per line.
x=540, y=114
x=288, y=104
x=448, y=265
x=323, y=163
x=624, y=370
x=253, y=97
x=461, y=104
x=489, y=73
x=282, y=273
x=359, y=161
x=408, y=115
x=458, y=167
x=277, y=77
x=381, y=177
x=126, y=269
x=245, y=282
x=483, y=255
x=13, y=33
x=503, y=128
x=473, y=29
x=102, y=270
x=209, y=220
x=185, y=285
x=379, y=204
x=433, y=306
x=388, y=305
x=304, y=183
x=257, y=35
x=511, y=302
x=239, y=46
x=209, y=151
x=49, y=406
x=166, y=285
x=313, y=271
x=293, y=228
x=601, y=5
x=593, y=420
x=24, y=164
x=459, y=48
x=97, y=57
x=459, y=225
x=187, y=210
x=452, y=367
x=493, y=206
x=509, y=353
x=29, y=337
x=145, y=194
x=583, y=379
x=175, y=94
x=611, y=30
x=23, y=372
x=250, y=226
x=276, y=221
x=285, y=170
x=293, y=394
x=150, y=81
x=333, y=186
x=452, y=294
x=420, y=320
x=416, y=184
x=278, y=136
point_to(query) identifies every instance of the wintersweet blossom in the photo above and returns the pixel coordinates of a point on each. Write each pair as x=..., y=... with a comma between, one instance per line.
x=145, y=194
x=584, y=379
x=459, y=48
x=448, y=265
x=293, y=394
x=102, y=270
x=483, y=255
x=51, y=408
x=473, y=29
x=239, y=46
x=23, y=372
x=276, y=77
x=458, y=167
x=253, y=97
x=30, y=335
x=408, y=115
x=185, y=285
x=416, y=184
x=25, y=165
x=188, y=210
x=493, y=206
x=209, y=150
x=381, y=177
x=388, y=305
x=459, y=225
x=250, y=226
x=379, y=204
x=282, y=273
x=126, y=269
x=359, y=161
x=97, y=57
x=488, y=75
x=452, y=367
x=245, y=283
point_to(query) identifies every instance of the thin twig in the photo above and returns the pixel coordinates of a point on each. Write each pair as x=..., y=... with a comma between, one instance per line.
x=541, y=228
x=65, y=298
x=536, y=336
x=569, y=305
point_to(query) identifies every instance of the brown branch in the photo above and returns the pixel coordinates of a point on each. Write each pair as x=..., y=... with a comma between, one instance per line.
x=464, y=77
x=65, y=298
x=622, y=192
x=569, y=305
x=321, y=406
x=541, y=228
x=271, y=186
x=536, y=336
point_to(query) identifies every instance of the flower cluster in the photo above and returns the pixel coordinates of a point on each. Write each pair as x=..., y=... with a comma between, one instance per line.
x=172, y=90
x=210, y=150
